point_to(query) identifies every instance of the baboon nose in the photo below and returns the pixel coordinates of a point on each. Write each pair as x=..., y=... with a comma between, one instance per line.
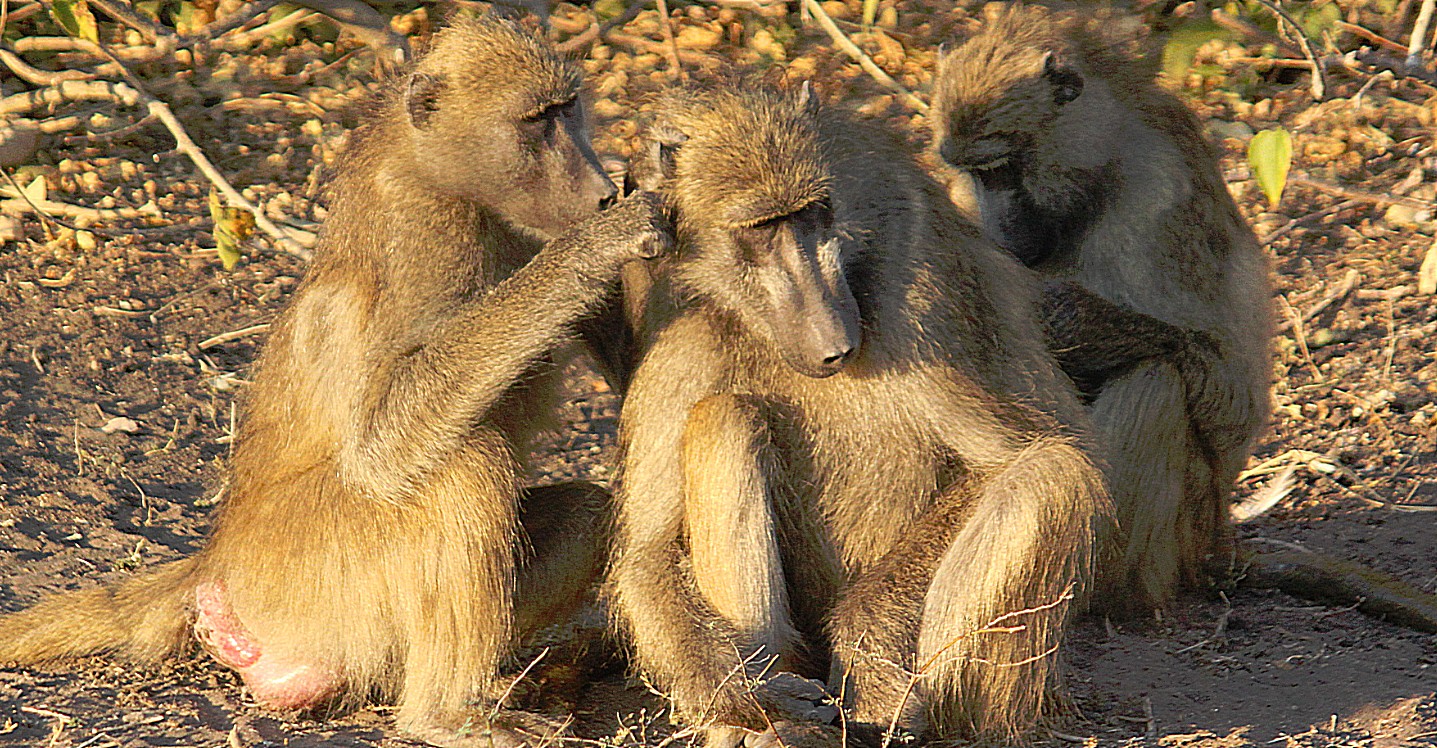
x=607, y=200
x=836, y=359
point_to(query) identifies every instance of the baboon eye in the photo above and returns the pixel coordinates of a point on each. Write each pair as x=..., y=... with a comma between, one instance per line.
x=541, y=122
x=992, y=164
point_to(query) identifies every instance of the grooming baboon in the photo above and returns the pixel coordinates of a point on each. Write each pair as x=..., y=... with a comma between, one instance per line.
x=849, y=440
x=1159, y=296
x=368, y=543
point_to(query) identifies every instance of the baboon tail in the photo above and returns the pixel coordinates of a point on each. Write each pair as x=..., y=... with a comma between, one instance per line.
x=142, y=618
x=1315, y=576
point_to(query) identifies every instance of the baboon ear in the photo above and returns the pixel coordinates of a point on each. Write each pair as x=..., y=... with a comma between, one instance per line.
x=421, y=98
x=1067, y=83
x=808, y=97
x=667, y=143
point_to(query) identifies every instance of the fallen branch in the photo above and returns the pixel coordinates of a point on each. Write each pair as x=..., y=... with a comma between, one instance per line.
x=186, y=145
x=1319, y=71
x=1338, y=296
x=232, y=335
x=864, y=61
x=67, y=91
x=1282, y=230
x=1361, y=195
x=36, y=76
x=671, y=45
x=1419, y=35
x=23, y=204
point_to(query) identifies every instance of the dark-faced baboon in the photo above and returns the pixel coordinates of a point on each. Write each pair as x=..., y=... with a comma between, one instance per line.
x=849, y=440
x=369, y=540
x=1088, y=172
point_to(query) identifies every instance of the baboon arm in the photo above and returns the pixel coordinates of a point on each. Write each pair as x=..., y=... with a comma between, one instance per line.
x=678, y=638
x=1095, y=339
x=420, y=403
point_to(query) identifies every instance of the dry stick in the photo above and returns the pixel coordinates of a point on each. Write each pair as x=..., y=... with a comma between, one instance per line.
x=864, y=61
x=671, y=45
x=1337, y=295
x=1371, y=36
x=226, y=337
x=1319, y=73
x=187, y=146
x=1367, y=197
x=1301, y=337
x=36, y=76
x=1419, y=35
x=1281, y=231
x=67, y=91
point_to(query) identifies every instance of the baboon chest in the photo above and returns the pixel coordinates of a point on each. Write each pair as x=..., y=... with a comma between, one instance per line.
x=859, y=457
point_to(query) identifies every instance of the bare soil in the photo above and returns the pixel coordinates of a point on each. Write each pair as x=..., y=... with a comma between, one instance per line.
x=118, y=324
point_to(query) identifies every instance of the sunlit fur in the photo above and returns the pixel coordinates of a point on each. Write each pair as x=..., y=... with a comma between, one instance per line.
x=883, y=514
x=370, y=526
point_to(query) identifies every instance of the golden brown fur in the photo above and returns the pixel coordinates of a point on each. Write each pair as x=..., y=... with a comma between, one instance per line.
x=783, y=500
x=370, y=536
x=1103, y=182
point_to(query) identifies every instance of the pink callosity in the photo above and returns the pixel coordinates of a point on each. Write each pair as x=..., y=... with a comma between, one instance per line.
x=274, y=682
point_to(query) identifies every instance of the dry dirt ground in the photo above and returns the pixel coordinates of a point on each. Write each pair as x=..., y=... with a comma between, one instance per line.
x=120, y=323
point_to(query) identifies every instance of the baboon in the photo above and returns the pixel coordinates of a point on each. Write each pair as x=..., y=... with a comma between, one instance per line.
x=374, y=522
x=847, y=444
x=1159, y=296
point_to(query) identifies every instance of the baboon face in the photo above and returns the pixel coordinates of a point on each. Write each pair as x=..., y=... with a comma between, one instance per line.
x=517, y=143
x=994, y=106
x=759, y=232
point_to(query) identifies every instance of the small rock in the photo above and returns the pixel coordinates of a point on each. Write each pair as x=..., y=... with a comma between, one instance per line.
x=697, y=37
x=121, y=423
x=1229, y=130
x=1406, y=216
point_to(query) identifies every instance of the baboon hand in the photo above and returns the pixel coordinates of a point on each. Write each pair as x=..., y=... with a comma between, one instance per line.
x=796, y=735
x=642, y=227
x=791, y=697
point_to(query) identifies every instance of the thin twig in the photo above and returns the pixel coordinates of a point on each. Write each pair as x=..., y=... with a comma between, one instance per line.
x=226, y=337
x=1319, y=72
x=671, y=45
x=864, y=61
x=1338, y=295
x=1371, y=36
x=1364, y=196
x=36, y=76
x=1300, y=336
x=1282, y=230
x=1419, y=35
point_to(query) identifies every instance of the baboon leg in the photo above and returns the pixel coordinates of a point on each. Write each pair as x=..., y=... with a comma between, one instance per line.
x=728, y=513
x=1142, y=417
x=467, y=523
x=567, y=526
x=994, y=612
x=874, y=630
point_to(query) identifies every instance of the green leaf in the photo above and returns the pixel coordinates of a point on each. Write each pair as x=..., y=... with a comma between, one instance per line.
x=1269, y=153
x=75, y=18
x=232, y=227
x=606, y=9
x=1183, y=44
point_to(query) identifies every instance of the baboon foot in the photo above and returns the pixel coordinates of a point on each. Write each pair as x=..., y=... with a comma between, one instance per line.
x=506, y=728
x=788, y=697
x=274, y=682
x=796, y=735
x=811, y=735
